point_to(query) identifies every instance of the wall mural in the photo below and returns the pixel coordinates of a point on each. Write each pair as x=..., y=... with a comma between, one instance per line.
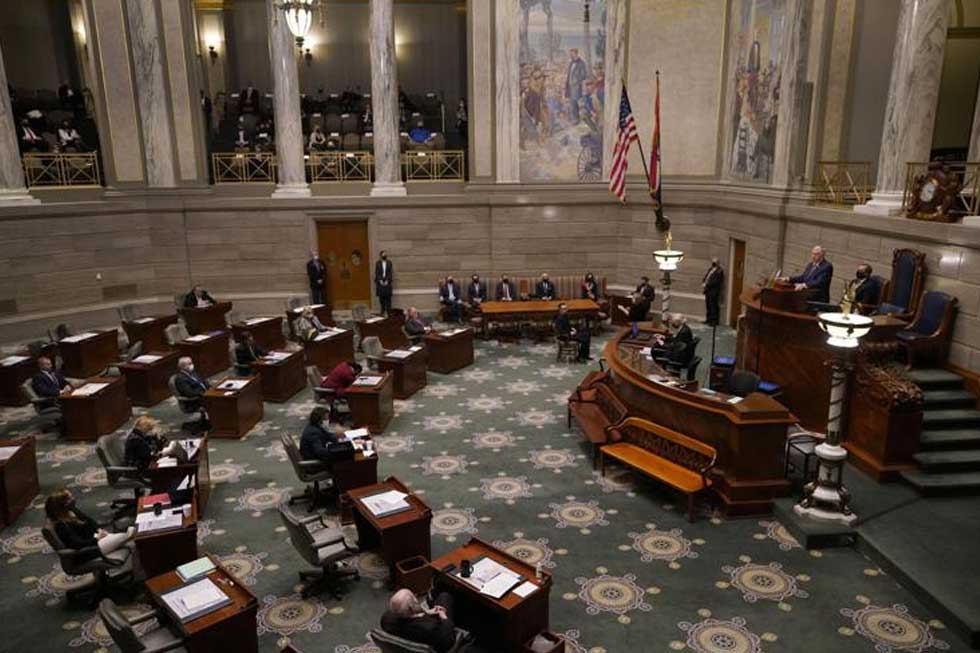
x=562, y=77
x=757, y=33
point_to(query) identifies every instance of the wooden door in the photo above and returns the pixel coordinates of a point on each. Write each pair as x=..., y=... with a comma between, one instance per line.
x=343, y=247
x=737, y=267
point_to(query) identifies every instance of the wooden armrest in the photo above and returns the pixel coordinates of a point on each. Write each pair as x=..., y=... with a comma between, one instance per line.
x=140, y=618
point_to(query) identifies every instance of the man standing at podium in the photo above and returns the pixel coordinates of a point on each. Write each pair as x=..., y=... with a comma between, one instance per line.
x=816, y=276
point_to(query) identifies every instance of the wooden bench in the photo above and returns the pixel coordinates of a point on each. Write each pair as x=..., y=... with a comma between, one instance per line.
x=567, y=286
x=596, y=410
x=674, y=458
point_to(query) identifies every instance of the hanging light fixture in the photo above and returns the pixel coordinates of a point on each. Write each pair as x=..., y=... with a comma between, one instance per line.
x=299, y=16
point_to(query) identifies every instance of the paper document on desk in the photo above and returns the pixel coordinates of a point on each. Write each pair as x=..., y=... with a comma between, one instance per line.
x=492, y=578
x=198, y=338
x=452, y=332
x=734, y=400
x=195, y=568
x=324, y=336
x=386, y=503
x=316, y=305
x=166, y=461
x=191, y=446
x=356, y=433
x=525, y=589
x=147, y=359
x=13, y=360
x=399, y=353
x=278, y=355
x=372, y=320
x=164, y=521
x=415, y=348
x=366, y=380
x=233, y=384
x=144, y=320
x=89, y=389
x=7, y=452
x=194, y=599
x=187, y=483
x=79, y=337
x=256, y=320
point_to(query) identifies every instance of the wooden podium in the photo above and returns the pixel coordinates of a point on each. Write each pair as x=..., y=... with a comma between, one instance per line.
x=205, y=320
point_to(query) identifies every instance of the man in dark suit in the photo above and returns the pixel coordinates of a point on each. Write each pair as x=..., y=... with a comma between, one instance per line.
x=248, y=100
x=711, y=285
x=30, y=140
x=317, y=437
x=407, y=619
x=816, y=276
x=506, y=290
x=544, y=289
x=574, y=79
x=415, y=327
x=451, y=297
x=564, y=329
x=316, y=271
x=198, y=297
x=189, y=383
x=247, y=352
x=866, y=288
x=383, y=277
x=476, y=292
x=645, y=289
x=679, y=344
x=49, y=383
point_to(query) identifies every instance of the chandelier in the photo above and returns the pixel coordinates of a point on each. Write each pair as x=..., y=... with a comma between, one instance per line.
x=299, y=16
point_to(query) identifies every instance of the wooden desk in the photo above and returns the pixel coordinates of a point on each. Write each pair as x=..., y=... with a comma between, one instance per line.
x=387, y=329
x=12, y=377
x=233, y=413
x=147, y=383
x=232, y=628
x=503, y=624
x=398, y=536
x=281, y=379
x=18, y=478
x=210, y=355
x=151, y=331
x=749, y=436
x=266, y=331
x=165, y=479
x=448, y=353
x=326, y=351
x=163, y=551
x=89, y=356
x=536, y=311
x=205, y=320
x=321, y=311
x=408, y=373
x=89, y=416
x=352, y=474
x=372, y=406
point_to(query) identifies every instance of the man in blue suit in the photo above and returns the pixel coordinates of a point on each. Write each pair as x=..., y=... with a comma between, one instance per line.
x=816, y=276
x=49, y=383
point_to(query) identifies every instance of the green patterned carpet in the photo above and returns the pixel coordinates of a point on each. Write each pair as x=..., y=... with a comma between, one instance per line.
x=488, y=449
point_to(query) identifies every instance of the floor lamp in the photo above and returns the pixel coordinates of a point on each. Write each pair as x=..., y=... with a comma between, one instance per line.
x=667, y=260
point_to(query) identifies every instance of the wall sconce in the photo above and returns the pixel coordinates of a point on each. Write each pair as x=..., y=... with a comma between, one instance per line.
x=213, y=54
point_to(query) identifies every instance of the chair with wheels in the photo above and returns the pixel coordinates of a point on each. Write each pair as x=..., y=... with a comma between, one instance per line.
x=111, y=449
x=108, y=571
x=124, y=634
x=309, y=472
x=325, y=548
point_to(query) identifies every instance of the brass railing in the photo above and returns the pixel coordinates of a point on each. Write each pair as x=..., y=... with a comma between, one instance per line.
x=968, y=173
x=244, y=167
x=61, y=170
x=340, y=166
x=433, y=165
x=844, y=183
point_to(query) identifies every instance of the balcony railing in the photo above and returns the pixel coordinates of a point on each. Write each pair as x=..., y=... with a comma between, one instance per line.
x=340, y=166
x=844, y=183
x=61, y=170
x=244, y=167
x=967, y=201
x=433, y=165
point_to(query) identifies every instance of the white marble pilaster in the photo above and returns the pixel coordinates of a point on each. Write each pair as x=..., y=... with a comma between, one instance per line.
x=12, y=188
x=384, y=101
x=479, y=15
x=507, y=92
x=913, y=93
x=289, y=125
x=151, y=93
x=616, y=29
x=974, y=154
x=790, y=135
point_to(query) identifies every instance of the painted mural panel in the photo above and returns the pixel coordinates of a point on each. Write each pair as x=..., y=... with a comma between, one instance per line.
x=757, y=32
x=562, y=87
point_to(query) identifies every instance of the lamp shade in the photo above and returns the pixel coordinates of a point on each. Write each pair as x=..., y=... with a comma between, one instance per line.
x=299, y=16
x=668, y=259
x=844, y=329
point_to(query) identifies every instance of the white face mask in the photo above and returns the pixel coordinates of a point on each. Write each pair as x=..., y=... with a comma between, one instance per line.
x=190, y=368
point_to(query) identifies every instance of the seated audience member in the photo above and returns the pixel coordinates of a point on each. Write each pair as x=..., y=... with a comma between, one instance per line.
x=564, y=329
x=341, y=377
x=247, y=352
x=867, y=289
x=242, y=140
x=506, y=290
x=69, y=138
x=590, y=288
x=264, y=136
x=644, y=288
x=143, y=446
x=420, y=135
x=415, y=327
x=451, y=297
x=307, y=325
x=30, y=140
x=406, y=618
x=476, y=292
x=49, y=382
x=189, y=383
x=318, y=141
x=198, y=297
x=317, y=435
x=78, y=531
x=637, y=312
x=544, y=289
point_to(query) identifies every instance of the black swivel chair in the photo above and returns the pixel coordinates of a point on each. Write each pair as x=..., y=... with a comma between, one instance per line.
x=742, y=383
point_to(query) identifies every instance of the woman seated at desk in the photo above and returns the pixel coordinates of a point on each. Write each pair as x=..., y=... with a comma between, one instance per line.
x=308, y=325
x=78, y=531
x=143, y=446
x=318, y=435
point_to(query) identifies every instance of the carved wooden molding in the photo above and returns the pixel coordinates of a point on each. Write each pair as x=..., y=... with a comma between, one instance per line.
x=888, y=387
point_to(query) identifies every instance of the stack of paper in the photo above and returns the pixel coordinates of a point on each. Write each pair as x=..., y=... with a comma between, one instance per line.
x=278, y=355
x=147, y=359
x=7, y=452
x=195, y=599
x=399, y=353
x=166, y=461
x=195, y=568
x=372, y=320
x=386, y=503
x=89, y=389
x=79, y=337
x=198, y=338
x=452, y=332
x=353, y=434
x=525, y=589
x=13, y=360
x=415, y=348
x=233, y=384
x=148, y=522
x=492, y=578
x=366, y=380
x=734, y=400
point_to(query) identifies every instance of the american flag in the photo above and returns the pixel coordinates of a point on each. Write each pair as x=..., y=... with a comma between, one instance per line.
x=627, y=136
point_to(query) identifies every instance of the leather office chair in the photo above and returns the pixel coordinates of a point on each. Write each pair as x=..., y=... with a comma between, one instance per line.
x=63, y=331
x=359, y=312
x=175, y=333
x=127, y=312
x=241, y=369
x=111, y=449
x=45, y=407
x=188, y=405
x=294, y=302
x=929, y=333
x=742, y=383
x=339, y=408
x=389, y=643
x=325, y=548
x=901, y=295
x=107, y=571
x=179, y=299
x=309, y=472
x=131, y=352
x=688, y=370
x=122, y=630
x=373, y=350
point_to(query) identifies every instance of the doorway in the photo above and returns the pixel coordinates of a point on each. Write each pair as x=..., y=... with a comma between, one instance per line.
x=343, y=246
x=737, y=266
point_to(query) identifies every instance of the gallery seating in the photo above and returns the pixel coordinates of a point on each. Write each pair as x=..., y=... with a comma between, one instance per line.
x=901, y=294
x=597, y=410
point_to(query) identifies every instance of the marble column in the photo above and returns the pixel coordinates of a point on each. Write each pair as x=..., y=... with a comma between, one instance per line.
x=913, y=93
x=12, y=188
x=479, y=17
x=506, y=82
x=616, y=28
x=974, y=154
x=289, y=125
x=384, y=101
x=790, y=133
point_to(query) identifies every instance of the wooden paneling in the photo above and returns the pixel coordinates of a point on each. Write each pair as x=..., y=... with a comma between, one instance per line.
x=343, y=246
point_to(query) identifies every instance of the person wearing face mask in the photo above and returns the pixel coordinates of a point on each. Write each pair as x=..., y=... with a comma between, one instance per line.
x=506, y=290
x=406, y=618
x=317, y=273
x=711, y=285
x=189, y=383
x=476, y=292
x=383, y=277
x=451, y=298
x=198, y=297
x=143, y=446
x=78, y=531
x=867, y=289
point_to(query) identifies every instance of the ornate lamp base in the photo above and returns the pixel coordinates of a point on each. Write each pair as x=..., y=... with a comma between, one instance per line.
x=826, y=499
